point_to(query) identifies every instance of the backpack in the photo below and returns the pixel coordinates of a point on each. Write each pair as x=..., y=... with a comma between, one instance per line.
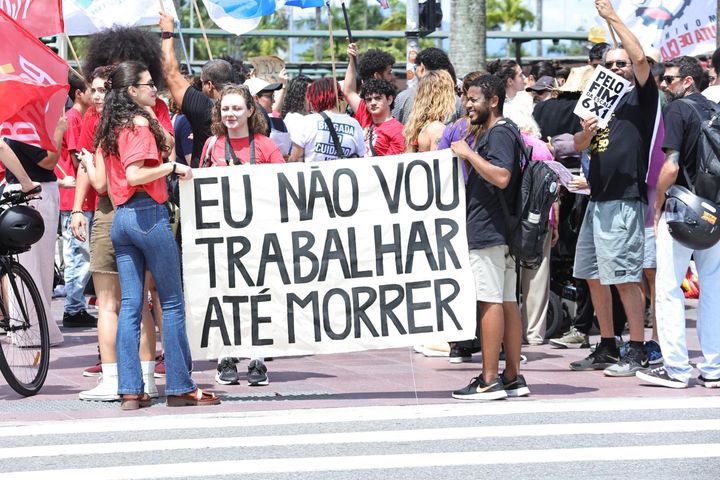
x=707, y=182
x=536, y=190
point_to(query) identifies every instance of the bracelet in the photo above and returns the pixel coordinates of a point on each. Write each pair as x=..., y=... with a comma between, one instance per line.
x=77, y=211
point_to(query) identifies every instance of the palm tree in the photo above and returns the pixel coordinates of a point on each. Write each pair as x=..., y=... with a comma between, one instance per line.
x=508, y=13
x=467, y=35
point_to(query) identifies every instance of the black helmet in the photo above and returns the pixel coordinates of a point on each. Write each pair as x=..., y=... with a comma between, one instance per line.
x=692, y=220
x=20, y=227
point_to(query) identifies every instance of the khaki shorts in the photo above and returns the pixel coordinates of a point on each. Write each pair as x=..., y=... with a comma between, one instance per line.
x=495, y=275
x=102, y=253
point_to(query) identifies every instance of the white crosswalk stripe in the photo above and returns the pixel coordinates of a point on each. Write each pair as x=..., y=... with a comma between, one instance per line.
x=346, y=441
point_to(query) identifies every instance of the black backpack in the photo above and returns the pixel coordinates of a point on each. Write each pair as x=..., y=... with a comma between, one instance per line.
x=536, y=190
x=707, y=182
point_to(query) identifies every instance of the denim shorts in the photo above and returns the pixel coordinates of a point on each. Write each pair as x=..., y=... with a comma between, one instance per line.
x=611, y=243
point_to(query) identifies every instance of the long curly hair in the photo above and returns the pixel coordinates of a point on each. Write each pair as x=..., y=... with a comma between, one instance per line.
x=295, y=96
x=256, y=120
x=120, y=109
x=122, y=44
x=434, y=101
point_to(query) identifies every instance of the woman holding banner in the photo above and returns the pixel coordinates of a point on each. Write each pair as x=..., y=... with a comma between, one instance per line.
x=132, y=143
x=238, y=127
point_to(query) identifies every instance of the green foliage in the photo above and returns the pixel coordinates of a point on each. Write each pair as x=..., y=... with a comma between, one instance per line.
x=507, y=14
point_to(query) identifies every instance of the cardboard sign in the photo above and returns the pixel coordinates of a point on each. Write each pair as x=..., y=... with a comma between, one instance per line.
x=341, y=256
x=601, y=96
x=268, y=68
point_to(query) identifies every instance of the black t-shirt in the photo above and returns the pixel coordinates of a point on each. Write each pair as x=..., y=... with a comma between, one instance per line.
x=682, y=131
x=485, y=218
x=620, y=152
x=197, y=108
x=555, y=116
x=30, y=156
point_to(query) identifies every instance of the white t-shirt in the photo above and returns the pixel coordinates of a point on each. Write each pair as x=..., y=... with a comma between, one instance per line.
x=315, y=138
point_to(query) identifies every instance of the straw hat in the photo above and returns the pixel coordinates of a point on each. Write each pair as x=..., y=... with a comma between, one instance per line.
x=578, y=78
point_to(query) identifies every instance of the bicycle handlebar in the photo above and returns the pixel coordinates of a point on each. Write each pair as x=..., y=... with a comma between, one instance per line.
x=17, y=197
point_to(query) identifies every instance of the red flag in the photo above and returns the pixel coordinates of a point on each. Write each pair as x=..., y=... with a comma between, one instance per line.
x=33, y=86
x=42, y=18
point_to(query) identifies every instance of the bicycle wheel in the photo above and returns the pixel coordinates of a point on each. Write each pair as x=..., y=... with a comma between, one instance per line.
x=25, y=352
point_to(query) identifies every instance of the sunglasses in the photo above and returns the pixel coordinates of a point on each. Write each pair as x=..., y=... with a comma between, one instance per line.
x=669, y=78
x=150, y=84
x=619, y=63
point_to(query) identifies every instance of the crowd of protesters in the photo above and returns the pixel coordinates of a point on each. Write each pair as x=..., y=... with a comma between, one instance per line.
x=118, y=143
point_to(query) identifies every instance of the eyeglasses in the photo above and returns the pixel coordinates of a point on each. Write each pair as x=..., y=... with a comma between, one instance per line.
x=669, y=78
x=619, y=63
x=150, y=84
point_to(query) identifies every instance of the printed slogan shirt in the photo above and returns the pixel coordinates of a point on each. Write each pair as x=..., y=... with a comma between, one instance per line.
x=315, y=138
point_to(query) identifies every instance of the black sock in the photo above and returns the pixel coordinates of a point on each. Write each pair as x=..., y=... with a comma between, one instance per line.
x=636, y=345
x=608, y=343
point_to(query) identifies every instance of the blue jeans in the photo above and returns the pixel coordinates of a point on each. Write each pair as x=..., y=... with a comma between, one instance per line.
x=76, y=255
x=142, y=238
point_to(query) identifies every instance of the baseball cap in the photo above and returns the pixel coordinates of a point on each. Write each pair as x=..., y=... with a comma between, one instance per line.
x=544, y=83
x=257, y=85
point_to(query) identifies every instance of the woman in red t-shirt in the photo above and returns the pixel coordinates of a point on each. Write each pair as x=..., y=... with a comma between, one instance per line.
x=238, y=138
x=238, y=128
x=131, y=142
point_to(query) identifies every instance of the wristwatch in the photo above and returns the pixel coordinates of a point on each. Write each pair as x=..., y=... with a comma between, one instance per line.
x=167, y=35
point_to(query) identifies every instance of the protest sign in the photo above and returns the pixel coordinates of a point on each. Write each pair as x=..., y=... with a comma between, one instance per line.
x=33, y=86
x=601, y=96
x=675, y=27
x=42, y=18
x=268, y=68
x=339, y=256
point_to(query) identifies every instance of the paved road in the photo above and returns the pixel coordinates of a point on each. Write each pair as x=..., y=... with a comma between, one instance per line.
x=522, y=438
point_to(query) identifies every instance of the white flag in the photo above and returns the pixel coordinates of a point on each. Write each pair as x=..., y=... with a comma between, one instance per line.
x=229, y=23
x=84, y=17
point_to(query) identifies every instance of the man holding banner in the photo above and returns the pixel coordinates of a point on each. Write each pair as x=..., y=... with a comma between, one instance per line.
x=610, y=246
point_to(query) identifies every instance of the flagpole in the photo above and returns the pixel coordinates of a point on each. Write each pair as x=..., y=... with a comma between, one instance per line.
x=184, y=48
x=332, y=55
x=75, y=56
x=202, y=29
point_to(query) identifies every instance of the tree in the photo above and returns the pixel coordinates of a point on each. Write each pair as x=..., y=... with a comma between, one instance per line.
x=467, y=35
x=508, y=13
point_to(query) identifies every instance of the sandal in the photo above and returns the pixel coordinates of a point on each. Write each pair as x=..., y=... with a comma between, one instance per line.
x=198, y=398
x=135, y=402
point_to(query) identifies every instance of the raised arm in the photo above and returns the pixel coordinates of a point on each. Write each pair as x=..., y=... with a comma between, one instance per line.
x=8, y=157
x=174, y=79
x=629, y=41
x=349, y=84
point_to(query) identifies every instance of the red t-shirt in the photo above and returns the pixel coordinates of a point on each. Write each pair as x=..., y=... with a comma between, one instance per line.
x=265, y=151
x=135, y=144
x=66, y=166
x=386, y=138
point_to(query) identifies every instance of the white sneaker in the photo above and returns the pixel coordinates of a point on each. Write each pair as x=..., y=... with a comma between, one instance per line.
x=104, y=391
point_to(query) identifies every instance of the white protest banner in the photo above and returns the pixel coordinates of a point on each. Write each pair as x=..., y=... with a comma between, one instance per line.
x=338, y=256
x=601, y=96
x=85, y=17
x=675, y=27
x=268, y=67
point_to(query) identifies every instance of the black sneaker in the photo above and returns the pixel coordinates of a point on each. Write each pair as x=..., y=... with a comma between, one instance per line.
x=600, y=359
x=632, y=362
x=227, y=372
x=516, y=387
x=479, y=390
x=257, y=373
x=81, y=319
x=709, y=382
x=461, y=354
x=659, y=376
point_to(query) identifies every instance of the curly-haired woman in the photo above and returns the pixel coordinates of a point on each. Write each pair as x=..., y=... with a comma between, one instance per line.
x=434, y=107
x=132, y=143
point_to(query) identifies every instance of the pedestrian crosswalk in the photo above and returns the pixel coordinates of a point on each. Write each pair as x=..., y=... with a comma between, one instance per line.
x=551, y=438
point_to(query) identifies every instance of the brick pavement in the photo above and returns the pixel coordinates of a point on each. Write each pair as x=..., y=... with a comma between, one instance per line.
x=380, y=377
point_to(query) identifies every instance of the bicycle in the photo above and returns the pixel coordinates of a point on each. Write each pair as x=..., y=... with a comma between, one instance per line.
x=24, y=337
